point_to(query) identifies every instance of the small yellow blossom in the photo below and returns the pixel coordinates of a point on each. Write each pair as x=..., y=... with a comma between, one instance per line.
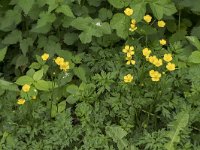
x=157, y=62
x=170, y=66
x=59, y=60
x=45, y=56
x=133, y=25
x=26, y=87
x=64, y=66
x=146, y=52
x=155, y=75
x=128, y=11
x=152, y=58
x=130, y=61
x=167, y=57
x=163, y=42
x=128, y=78
x=129, y=50
x=33, y=97
x=147, y=18
x=21, y=101
x=161, y=23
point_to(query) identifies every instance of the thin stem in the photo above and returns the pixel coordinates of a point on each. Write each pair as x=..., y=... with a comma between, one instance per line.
x=179, y=20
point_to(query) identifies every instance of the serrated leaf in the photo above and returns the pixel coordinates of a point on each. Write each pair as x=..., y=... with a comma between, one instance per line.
x=26, y=5
x=8, y=85
x=72, y=89
x=118, y=3
x=12, y=38
x=66, y=10
x=196, y=31
x=45, y=19
x=70, y=38
x=194, y=57
x=24, y=80
x=139, y=10
x=42, y=85
x=24, y=45
x=2, y=53
x=80, y=72
x=67, y=55
x=61, y=106
x=194, y=41
x=121, y=24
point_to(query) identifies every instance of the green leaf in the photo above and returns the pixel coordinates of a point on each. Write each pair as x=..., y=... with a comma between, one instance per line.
x=2, y=53
x=194, y=41
x=70, y=38
x=80, y=72
x=24, y=80
x=117, y=134
x=66, y=10
x=24, y=45
x=26, y=5
x=45, y=19
x=12, y=38
x=181, y=121
x=121, y=23
x=8, y=85
x=194, y=57
x=67, y=55
x=38, y=75
x=139, y=10
x=42, y=85
x=72, y=99
x=61, y=106
x=72, y=89
x=159, y=8
x=53, y=110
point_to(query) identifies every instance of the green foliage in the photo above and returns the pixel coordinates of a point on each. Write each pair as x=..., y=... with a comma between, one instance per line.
x=65, y=79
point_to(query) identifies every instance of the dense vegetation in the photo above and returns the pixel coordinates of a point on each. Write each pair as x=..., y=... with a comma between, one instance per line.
x=99, y=74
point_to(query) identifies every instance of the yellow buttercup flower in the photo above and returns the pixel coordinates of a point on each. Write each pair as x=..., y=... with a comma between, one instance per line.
x=128, y=11
x=157, y=62
x=128, y=78
x=163, y=42
x=146, y=52
x=59, y=60
x=129, y=50
x=45, y=56
x=33, y=97
x=155, y=75
x=161, y=23
x=26, y=87
x=21, y=101
x=133, y=25
x=170, y=66
x=64, y=66
x=147, y=18
x=152, y=58
x=130, y=61
x=167, y=57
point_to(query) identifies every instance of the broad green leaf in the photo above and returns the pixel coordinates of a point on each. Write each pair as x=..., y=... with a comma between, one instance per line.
x=94, y=3
x=21, y=61
x=66, y=10
x=194, y=57
x=67, y=55
x=121, y=23
x=45, y=18
x=196, y=31
x=8, y=85
x=159, y=8
x=24, y=45
x=119, y=3
x=105, y=14
x=194, y=41
x=26, y=5
x=139, y=10
x=2, y=53
x=42, y=85
x=38, y=75
x=80, y=72
x=12, y=38
x=72, y=89
x=53, y=110
x=24, y=80
x=70, y=38
x=53, y=4
x=72, y=99
x=81, y=23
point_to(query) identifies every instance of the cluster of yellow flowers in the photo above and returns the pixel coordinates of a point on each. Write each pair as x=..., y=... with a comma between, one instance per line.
x=129, y=51
x=25, y=88
x=64, y=65
x=133, y=25
x=155, y=75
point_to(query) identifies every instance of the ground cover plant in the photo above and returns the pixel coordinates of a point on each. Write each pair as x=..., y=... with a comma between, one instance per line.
x=99, y=74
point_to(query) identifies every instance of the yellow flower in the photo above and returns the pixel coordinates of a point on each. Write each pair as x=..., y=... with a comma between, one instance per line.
x=128, y=78
x=133, y=21
x=130, y=61
x=133, y=25
x=161, y=23
x=45, y=56
x=170, y=66
x=167, y=57
x=128, y=50
x=155, y=75
x=163, y=42
x=64, y=66
x=147, y=18
x=146, y=52
x=157, y=62
x=59, y=60
x=26, y=87
x=128, y=11
x=21, y=101
x=152, y=58
x=33, y=97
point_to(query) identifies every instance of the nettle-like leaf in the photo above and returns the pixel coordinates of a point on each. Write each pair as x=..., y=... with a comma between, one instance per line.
x=26, y=5
x=3, y=53
x=160, y=8
x=139, y=8
x=90, y=28
x=119, y=3
x=121, y=24
x=117, y=134
x=12, y=38
x=181, y=121
x=66, y=10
